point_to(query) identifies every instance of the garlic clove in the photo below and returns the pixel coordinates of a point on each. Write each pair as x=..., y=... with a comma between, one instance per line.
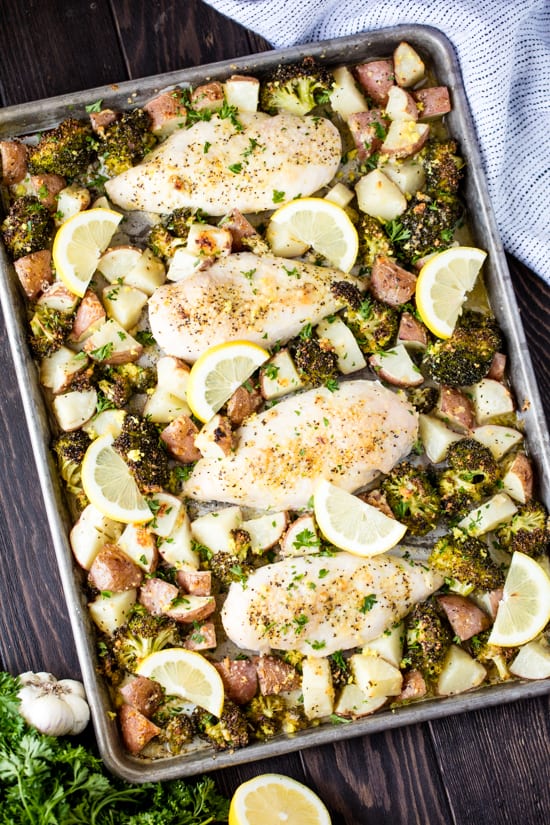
x=80, y=710
x=71, y=686
x=49, y=714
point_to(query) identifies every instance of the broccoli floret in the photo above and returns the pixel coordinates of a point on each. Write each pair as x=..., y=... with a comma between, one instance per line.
x=271, y=715
x=50, y=328
x=373, y=241
x=296, y=87
x=70, y=448
x=142, y=635
x=228, y=567
x=528, y=530
x=66, y=150
x=180, y=220
x=28, y=227
x=340, y=669
x=229, y=731
x=126, y=141
x=315, y=365
x=466, y=559
x=428, y=638
x=161, y=242
x=374, y=324
x=472, y=475
x=178, y=732
x=140, y=446
x=413, y=498
x=489, y=654
x=464, y=358
x=423, y=399
x=443, y=167
x=427, y=225
x=121, y=382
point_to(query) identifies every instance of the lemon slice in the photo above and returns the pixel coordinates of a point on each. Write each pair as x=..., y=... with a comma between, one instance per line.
x=218, y=372
x=442, y=286
x=524, y=610
x=110, y=486
x=322, y=225
x=352, y=524
x=186, y=674
x=79, y=243
x=272, y=799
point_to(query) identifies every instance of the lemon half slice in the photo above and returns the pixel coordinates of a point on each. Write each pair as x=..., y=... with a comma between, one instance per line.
x=443, y=284
x=272, y=799
x=352, y=524
x=524, y=610
x=218, y=372
x=110, y=486
x=186, y=674
x=79, y=243
x=322, y=225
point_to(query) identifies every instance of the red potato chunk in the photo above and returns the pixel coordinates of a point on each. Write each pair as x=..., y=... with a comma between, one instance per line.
x=432, y=102
x=243, y=403
x=465, y=617
x=34, y=272
x=456, y=409
x=239, y=677
x=390, y=283
x=47, y=188
x=13, y=161
x=179, y=437
x=208, y=96
x=112, y=570
x=143, y=694
x=376, y=77
x=494, y=597
x=498, y=367
x=414, y=686
x=196, y=582
x=239, y=227
x=99, y=121
x=136, y=729
x=163, y=108
x=412, y=331
x=275, y=675
x=203, y=637
x=367, y=130
x=89, y=316
x=405, y=137
x=161, y=598
x=518, y=479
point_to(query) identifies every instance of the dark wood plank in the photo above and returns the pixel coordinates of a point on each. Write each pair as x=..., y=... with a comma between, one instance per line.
x=49, y=48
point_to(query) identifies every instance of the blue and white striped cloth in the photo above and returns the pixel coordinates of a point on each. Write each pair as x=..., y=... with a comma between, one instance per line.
x=504, y=51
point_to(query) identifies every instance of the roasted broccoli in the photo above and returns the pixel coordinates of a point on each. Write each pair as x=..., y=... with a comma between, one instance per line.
x=471, y=475
x=314, y=364
x=340, y=669
x=119, y=383
x=66, y=150
x=373, y=241
x=178, y=732
x=140, y=446
x=464, y=358
x=270, y=715
x=528, y=530
x=413, y=498
x=296, y=87
x=180, y=220
x=231, y=566
x=50, y=328
x=126, y=141
x=492, y=655
x=70, y=448
x=229, y=731
x=428, y=638
x=423, y=399
x=142, y=635
x=443, y=167
x=28, y=227
x=161, y=242
x=374, y=324
x=426, y=226
x=467, y=560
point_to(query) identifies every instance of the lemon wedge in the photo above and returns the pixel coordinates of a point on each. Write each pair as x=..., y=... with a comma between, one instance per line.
x=322, y=225
x=110, y=486
x=352, y=524
x=218, y=372
x=272, y=798
x=79, y=243
x=443, y=284
x=524, y=610
x=186, y=674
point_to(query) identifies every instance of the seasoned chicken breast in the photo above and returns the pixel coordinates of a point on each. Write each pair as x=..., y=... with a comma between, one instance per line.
x=263, y=299
x=328, y=594
x=217, y=166
x=348, y=436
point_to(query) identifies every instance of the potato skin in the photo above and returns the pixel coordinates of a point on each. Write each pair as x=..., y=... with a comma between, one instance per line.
x=112, y=570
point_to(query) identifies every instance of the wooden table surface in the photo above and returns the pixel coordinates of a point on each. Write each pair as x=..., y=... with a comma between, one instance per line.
x=484, y=767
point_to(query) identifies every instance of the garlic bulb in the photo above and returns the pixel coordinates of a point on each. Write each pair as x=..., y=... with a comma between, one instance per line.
x=56, y=708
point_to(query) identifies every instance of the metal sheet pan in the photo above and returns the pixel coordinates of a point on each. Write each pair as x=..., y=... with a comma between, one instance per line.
x=32, y=117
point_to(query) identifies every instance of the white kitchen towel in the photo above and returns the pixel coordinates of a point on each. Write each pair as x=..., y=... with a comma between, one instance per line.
x=503, y=47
